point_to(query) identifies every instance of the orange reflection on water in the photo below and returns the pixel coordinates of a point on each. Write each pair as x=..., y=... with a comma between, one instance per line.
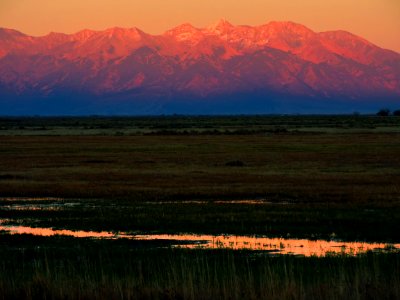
x=51, y=232
x=192, y=241
x=279, y=245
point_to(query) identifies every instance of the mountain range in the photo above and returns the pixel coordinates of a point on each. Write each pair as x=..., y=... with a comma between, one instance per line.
x=279, y=67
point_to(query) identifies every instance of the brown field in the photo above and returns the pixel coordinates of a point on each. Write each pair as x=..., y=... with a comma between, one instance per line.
x=289, y=167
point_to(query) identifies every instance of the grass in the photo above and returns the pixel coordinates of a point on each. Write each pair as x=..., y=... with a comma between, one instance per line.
x=59, y=267
x=342, y=183
x=319, y=175
x=328, y=168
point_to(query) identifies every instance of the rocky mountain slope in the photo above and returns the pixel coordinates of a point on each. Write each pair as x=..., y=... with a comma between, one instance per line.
x=279, y=67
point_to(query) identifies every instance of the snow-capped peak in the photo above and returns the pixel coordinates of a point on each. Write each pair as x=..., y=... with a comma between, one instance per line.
x=222, y=26
x=185, y=32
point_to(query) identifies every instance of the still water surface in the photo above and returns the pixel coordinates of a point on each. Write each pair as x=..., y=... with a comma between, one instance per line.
x=194, y=241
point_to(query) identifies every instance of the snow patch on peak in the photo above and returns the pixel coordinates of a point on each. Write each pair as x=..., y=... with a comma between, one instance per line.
x=56, y=35
x=344, y=36
x=288, y=27
x=119, y=32
x=84, y=34
x=222, y=26
x=185, y=32
x=183, y=28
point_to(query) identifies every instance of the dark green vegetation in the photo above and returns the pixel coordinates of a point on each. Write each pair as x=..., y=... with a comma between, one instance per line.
x=386, y=112
x=317, y=175
x=195, y=125
x=64, y=268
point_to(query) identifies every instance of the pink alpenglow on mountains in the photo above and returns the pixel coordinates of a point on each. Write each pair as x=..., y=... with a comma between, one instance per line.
x=279, y=67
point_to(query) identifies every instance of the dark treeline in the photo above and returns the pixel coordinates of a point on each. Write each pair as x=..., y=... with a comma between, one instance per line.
x=176, y=124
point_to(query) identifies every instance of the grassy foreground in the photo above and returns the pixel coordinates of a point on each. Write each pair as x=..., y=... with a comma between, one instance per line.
x=62, y=268
x=319, y=176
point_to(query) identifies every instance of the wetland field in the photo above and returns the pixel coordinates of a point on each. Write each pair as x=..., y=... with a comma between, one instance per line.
x=179, y=207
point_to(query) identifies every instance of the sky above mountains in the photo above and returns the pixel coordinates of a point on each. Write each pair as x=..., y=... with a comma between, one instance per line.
x=376, y=20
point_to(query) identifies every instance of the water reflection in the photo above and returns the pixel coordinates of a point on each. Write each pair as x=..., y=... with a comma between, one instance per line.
x=50, y=232
x=34, y=207
x=30, y=199
x=192, y=241
x=276, y=245
x=239, y=201
x=203, y=202
x=25, y=203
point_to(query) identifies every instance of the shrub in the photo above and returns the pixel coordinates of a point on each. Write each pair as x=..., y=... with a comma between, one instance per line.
x=235, y=163
x=384, y=112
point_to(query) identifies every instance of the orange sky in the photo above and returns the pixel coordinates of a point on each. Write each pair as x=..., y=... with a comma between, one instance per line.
x=376, y=20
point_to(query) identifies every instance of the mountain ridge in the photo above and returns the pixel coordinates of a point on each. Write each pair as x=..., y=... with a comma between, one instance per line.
x=271, y=63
